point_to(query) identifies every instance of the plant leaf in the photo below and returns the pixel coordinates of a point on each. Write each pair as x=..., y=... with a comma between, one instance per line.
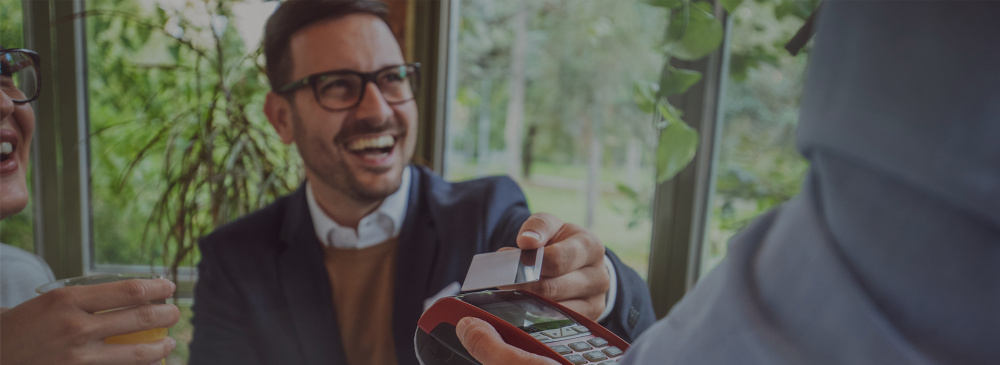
x=628, y=191
x=675, y=150
x=676, y=27
x=670, y=114
x=644, y=93
x=702, y=35
x=669, y=4
x=677, y=81
x=731, y=5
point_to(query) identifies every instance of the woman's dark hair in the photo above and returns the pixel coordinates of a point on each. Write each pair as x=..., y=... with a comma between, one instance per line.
x=294, y=15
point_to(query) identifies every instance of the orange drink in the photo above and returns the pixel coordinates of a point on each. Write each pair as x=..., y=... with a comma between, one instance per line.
x=150, y=335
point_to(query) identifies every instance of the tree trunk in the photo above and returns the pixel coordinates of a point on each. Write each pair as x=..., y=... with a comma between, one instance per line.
x=515, y=104
x=483, y=140
x=632, y=159
x=526, y=155
x=594, y=152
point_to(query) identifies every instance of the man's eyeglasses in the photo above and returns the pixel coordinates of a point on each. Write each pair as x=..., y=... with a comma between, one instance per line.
x=20, y=76
x=344, y=89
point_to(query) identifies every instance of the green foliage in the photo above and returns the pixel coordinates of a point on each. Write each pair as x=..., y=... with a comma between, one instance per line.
x=574, y=71
x=753, y=57
x=758, y=166
x=669, y=4
x=178, y=144
x=731, y=5
x=581, y=60
x=644, y=94
x=638, y=208
x=677, y=81
x=763, y=28
x=11, y=25
x=678, y=143
x=692, y=32
x=794, y=8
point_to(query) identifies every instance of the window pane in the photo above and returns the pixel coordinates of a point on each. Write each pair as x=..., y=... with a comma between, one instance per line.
x=16, y=230
x=544, y=94
x=757, y=165
x=178, y=145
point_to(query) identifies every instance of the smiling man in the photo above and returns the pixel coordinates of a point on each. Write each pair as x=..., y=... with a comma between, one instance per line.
x=340, y=270
x=354, y=130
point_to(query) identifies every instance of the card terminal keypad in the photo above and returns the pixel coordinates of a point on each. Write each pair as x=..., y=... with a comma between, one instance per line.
x=579, y=346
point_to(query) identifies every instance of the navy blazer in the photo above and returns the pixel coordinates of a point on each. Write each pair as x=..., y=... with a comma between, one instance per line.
x=263, y=295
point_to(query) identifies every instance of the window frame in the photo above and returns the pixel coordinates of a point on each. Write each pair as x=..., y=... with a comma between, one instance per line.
x=682, y=206
x=60, y=158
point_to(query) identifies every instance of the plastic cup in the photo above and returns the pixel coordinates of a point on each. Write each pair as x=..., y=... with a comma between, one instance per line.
x=146, y=336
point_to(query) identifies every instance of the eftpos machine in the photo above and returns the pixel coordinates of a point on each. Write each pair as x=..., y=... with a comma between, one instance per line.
x=524, y=320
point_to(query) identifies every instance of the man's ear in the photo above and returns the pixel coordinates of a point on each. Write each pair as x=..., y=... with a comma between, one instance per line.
x=279, y=113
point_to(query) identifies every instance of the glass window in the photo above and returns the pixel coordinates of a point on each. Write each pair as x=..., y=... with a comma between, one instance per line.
x=178, y=142
x=757, y=165
x=544, y=94
x=18, y=229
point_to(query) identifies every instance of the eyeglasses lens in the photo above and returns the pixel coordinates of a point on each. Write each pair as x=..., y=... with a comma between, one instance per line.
x=396, y=84
x=338, y=90
x=18, y=76
x=344, y=90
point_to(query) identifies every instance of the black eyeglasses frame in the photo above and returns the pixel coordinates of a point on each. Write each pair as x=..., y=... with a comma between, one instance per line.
x=365, y=79
x=38, y=72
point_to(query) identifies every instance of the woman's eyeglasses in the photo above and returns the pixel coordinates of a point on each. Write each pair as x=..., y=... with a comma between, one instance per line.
x=20, y=75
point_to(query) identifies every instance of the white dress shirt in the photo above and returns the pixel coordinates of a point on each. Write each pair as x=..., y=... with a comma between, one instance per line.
x=379, y=226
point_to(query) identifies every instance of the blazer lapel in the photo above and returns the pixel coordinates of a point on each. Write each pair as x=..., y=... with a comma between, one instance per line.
x=306, y=286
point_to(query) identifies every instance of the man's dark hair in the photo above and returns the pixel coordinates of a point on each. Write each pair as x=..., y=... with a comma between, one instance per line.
x=294, y=15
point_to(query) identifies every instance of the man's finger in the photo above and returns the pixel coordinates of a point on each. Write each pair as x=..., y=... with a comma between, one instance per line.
x=589, y=281
x=143, y=353
x=135, y=319
x=571, y=253
x=119, y=294
x=486, y=346
x=538, y=230
x=590, y=307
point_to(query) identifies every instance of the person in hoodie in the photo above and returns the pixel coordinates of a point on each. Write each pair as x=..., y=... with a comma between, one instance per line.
x=891, y=252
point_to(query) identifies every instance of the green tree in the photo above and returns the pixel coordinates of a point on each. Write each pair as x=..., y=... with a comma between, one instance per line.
x=758, y=166
x=179, y=146
x=577, y=92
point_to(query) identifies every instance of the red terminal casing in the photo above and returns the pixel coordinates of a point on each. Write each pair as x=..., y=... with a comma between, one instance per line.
x=450, y=310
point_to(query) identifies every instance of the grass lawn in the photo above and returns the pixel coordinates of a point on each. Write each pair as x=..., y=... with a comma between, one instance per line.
x=630, y=244
x=559, y=191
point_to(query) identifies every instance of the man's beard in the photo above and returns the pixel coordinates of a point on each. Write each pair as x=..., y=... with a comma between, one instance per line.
x=340, y=176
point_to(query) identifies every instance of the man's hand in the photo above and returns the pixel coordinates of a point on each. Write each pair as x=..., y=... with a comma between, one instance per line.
x=485, y=344
x=573, y=271
x=60, y=327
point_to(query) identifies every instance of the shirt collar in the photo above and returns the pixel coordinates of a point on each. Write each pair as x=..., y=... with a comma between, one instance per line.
x=382, y=224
